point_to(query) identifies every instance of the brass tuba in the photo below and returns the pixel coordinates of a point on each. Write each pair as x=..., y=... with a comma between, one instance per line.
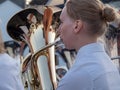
x=30, y=27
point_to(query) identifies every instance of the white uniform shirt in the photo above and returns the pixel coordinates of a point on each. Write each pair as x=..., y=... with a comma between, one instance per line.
x=92, y=70
x=9, y=74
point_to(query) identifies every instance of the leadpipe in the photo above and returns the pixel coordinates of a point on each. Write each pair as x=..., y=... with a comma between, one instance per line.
x=57, y=41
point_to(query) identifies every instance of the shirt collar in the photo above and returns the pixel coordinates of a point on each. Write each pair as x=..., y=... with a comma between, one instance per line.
x=89, y=48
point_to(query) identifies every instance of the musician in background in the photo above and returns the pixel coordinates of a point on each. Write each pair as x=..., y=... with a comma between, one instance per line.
x=9, y=71
x=80, y=28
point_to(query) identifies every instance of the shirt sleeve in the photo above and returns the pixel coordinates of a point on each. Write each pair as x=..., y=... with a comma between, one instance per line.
x=10, y=81
x=79, y=80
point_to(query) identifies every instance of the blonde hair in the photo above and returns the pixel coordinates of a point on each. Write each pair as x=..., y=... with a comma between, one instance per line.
x=93, y=12
x=2, y=49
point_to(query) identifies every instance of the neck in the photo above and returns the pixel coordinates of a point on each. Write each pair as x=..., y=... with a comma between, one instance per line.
x=84, y=41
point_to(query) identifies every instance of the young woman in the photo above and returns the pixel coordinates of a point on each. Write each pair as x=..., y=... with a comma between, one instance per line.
x=82, y=23
x=9, y=71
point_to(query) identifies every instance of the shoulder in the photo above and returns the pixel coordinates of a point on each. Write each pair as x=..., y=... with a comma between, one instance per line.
x=7, y=62
x=78, y=80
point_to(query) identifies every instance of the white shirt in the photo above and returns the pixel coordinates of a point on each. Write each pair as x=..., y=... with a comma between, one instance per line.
x=9, y=74
x=92, y=70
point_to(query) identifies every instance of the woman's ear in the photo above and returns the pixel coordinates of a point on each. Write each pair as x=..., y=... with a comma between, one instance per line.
x=78, y=26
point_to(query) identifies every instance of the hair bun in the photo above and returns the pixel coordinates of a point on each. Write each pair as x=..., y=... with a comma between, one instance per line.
x=108, y=14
